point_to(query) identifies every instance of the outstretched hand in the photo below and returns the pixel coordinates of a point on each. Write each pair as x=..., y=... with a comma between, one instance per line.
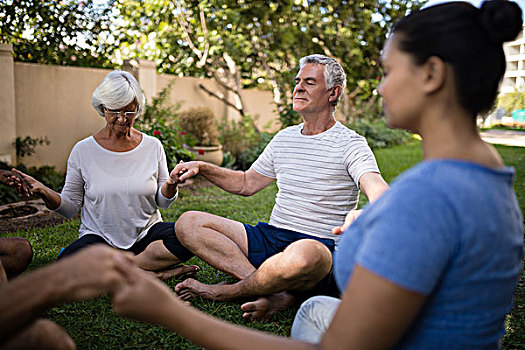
x=349, y=219
x=16, y=181
x=184, y=171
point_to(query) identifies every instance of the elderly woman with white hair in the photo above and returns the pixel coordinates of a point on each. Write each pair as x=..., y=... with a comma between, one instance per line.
x=118, y=178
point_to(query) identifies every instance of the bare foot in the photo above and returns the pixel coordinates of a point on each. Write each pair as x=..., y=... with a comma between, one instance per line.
x=264, y=307
x=191, y=288
x=179, y=270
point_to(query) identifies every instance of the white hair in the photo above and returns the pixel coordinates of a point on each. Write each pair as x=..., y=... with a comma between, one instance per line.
x=116, y=91
x=334, y=74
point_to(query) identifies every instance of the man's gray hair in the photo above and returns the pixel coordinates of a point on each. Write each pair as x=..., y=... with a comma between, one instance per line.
x=116, y=91
x=333, y=72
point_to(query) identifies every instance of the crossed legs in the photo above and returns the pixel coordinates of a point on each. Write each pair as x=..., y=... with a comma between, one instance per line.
x=160, y=261
x=223, y=244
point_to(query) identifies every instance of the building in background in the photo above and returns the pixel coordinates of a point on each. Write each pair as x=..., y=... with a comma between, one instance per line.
x=514, y=79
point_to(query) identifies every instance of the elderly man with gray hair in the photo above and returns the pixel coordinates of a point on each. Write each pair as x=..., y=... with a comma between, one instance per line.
x=118, y=178
x=320, y=166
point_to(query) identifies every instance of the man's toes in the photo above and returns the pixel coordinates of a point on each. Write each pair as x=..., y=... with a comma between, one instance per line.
x=249, y=306
x=179, y=287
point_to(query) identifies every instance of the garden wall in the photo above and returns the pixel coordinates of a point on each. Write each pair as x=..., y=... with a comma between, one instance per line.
x=55, y=102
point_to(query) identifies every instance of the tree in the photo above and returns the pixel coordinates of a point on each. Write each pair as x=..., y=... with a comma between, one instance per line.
x=250, y=43
x=58, y=32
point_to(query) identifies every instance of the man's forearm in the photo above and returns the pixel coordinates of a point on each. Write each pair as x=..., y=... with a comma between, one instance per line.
x=232, y=181
x=24, y=299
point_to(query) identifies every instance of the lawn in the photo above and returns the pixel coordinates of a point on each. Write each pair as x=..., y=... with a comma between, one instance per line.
x=94, y=326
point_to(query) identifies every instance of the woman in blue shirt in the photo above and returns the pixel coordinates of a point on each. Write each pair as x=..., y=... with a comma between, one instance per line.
x=434, y=262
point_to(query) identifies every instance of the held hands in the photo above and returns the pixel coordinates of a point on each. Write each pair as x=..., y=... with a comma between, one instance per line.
x=143, y=297
x=350, y=217
x=15, y=180
x=182, y=172
x=99, y=270
x=92, y=272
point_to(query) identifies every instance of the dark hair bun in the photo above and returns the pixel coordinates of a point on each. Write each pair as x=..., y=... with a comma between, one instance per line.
x=501, y=20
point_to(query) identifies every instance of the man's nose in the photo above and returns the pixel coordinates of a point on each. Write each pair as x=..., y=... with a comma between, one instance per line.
x=298, y=88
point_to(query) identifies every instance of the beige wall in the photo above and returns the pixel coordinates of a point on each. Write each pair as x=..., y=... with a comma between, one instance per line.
x=55, y=102
x=186, y=90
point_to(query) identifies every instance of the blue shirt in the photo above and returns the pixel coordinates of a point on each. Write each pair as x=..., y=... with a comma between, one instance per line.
x=451, y=230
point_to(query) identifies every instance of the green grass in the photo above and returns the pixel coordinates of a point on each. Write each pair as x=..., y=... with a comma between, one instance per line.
x=505, y=127
x=93, y=325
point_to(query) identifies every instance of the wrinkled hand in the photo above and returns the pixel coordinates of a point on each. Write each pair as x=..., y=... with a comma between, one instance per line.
x=184, y=171
x=143, y=297
x=349, y=219
x=16, y=181
x=92, y=272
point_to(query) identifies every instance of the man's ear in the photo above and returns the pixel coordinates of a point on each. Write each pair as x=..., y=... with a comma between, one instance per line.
x=434, y=72
x=336, y=92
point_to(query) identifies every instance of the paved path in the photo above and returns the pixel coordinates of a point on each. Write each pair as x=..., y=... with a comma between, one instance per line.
x=504, y=137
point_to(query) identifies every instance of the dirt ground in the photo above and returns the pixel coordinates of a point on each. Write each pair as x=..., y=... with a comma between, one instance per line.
x=23, y=224
x=14, y=221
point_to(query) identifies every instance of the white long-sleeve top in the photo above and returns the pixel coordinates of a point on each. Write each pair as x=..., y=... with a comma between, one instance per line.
x=119, y=192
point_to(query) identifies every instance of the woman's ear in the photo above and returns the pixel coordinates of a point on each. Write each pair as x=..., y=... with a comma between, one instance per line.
x=434, y=72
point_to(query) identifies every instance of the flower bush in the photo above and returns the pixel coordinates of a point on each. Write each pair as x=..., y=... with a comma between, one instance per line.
x=200, y=123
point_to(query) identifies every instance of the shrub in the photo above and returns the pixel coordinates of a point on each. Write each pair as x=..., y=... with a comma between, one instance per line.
x=26, y=146
x=378, y=134
x=251, y=154
x=237, y=136
x=200, y=123
x=511, y=101
x=159, y=120
x=287, y=116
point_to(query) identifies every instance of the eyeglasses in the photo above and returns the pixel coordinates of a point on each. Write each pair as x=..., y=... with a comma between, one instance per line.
x=127, y=114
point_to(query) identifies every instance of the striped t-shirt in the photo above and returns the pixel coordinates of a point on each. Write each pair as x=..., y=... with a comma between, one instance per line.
x=317, y=177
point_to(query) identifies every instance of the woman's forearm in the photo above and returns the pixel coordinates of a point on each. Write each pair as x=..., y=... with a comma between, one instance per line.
x=213, y=333
x=51, y=198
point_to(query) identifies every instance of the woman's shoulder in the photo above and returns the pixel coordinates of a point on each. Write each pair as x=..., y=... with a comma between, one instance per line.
x=85, y=143
x=150, y=141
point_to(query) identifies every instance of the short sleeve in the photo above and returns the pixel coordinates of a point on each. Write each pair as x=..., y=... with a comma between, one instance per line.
x=359, y=159
x=264, y=165
x=412, y=235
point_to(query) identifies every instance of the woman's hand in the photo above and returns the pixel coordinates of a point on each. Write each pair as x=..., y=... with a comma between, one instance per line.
x=184, y=171
x=143, y=297
x=350, y=217
x=35, y=186
x=51, y=198
x=16, y=181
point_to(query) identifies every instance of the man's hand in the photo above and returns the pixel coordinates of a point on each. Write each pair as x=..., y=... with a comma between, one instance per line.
x=183, y=171
x=350, y=217
x=16, y=181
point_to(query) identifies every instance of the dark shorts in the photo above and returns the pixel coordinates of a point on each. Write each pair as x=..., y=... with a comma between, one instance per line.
x=164, y=231
x=265, y=240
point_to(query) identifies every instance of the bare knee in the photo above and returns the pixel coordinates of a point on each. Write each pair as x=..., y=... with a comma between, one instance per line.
x=16, y=254
x=44, y=335
x=307, y=258
x=189, y=223
x=24, y=252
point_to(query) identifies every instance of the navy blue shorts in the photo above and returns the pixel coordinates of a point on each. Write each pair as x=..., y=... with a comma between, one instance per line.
x=164, y=231
x=265, y=240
